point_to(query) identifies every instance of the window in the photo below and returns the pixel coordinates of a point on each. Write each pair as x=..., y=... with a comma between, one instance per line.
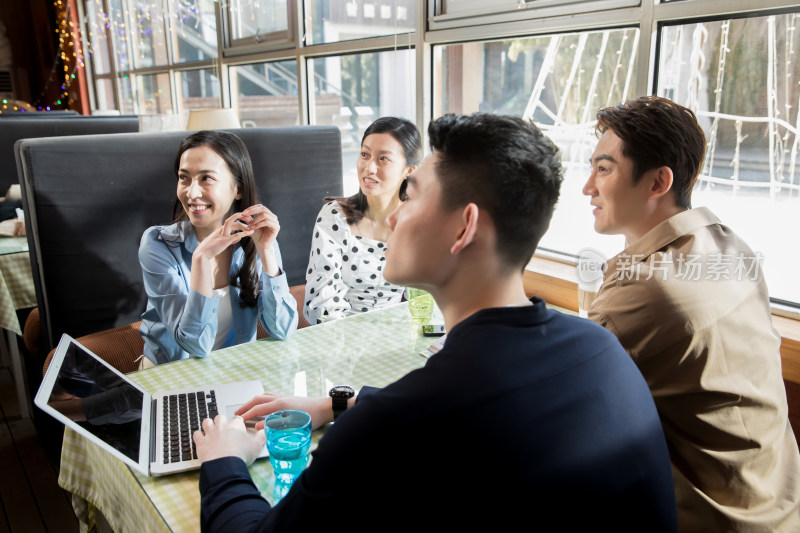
x=740, y=77
x=462, y=13
x=117, y=26
x=347, y=62
x=147, y=27
x=256, y=22
x=199, y=89
x=164, y=54
x=155, y=93
x=482, y=7
x=352, y=91
x=126, y=103
x=330, y=21
x=98, y=42
x=104, y=94
x=98, y=46
x=559, y=81
x=195, y=32
x=266, y=93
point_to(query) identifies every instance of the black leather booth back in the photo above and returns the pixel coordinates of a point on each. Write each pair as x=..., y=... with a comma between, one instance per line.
x=34, y=126
x=88, y=200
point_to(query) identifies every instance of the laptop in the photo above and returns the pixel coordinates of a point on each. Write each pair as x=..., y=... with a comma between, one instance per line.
x=150, y=432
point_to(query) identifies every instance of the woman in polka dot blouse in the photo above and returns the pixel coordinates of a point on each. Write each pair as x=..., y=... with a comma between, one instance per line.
x=345, y=267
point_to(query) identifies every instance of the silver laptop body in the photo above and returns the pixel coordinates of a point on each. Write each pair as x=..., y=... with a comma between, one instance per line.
x=150, y=432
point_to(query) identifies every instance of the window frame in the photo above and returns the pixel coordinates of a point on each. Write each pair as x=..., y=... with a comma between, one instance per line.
x=277, y=40
x=435, y=26
x=649, y=17
x=443, y=18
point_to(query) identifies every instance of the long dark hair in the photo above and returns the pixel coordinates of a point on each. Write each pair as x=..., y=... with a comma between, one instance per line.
x=233, y=151
x=404, y=132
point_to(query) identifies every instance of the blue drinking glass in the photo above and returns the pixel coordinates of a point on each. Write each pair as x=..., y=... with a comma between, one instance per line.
x=288, y=442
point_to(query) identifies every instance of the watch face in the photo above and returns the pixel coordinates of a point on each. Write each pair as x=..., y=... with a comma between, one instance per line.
x=342, y=391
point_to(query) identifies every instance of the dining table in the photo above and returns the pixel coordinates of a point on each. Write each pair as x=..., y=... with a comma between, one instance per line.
x=16, y=292
x=374, y=348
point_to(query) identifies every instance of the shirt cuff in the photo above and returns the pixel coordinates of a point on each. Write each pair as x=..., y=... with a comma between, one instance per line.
x=200, y=309
x=221, y=470
x=275, y=284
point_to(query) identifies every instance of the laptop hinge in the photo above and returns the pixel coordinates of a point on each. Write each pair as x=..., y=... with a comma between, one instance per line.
x=153, y=427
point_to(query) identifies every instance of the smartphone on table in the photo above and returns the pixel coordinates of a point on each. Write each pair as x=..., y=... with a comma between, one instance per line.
x=433, y=330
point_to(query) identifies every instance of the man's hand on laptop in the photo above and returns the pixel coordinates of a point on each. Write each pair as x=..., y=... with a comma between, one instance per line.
x=227, y=438
x=320, y=409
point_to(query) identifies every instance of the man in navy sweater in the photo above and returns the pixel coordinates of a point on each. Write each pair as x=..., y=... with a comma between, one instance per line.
x=525, y=418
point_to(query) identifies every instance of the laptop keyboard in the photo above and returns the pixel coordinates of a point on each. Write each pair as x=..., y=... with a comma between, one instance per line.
x=183, y=414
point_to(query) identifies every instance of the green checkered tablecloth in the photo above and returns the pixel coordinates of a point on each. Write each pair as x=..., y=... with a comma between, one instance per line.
x=13, y=245
x=374, y=348
x=16, y=282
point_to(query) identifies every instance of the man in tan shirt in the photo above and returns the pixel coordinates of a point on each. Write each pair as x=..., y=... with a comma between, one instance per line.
x=688, y=301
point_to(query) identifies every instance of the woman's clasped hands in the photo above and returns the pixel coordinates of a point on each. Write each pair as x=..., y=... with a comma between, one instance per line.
x=256, y=221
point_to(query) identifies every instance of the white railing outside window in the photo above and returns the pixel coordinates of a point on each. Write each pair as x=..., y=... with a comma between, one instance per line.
x=345, y=62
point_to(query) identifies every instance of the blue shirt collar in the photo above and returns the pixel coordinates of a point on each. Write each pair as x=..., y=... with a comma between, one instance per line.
x=182, y=231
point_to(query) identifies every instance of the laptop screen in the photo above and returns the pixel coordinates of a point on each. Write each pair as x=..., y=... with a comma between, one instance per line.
x=100, y=401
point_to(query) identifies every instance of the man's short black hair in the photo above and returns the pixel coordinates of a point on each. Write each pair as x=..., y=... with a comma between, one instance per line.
x=504, y=165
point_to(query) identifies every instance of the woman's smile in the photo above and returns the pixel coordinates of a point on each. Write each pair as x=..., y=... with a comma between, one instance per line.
x=199, y=208
x=381, y=165
x=206, y=188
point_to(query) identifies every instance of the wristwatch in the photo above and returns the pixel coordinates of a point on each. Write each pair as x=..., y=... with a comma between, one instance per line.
x=339, y=396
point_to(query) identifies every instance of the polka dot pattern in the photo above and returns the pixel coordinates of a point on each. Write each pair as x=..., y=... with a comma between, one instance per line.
x=345, y=272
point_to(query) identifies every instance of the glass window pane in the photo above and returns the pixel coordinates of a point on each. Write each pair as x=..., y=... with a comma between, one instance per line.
x=253, y=19
x=352, y=91
x=199, y=89
x=266, y=94
x=741, y=79
x=451, y=7
x=559, y=81
x=104, y=93
x=195, y=27
x=97, y=44
x=126, y=103
x=155, y=94
x=470, y=12
x=149, y=34
x=329, y=21
x=119, y=31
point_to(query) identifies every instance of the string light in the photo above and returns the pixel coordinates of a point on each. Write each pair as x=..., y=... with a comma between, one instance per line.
x=67, y=61
x=140, y=30
x=146, y=17
x=69, y=57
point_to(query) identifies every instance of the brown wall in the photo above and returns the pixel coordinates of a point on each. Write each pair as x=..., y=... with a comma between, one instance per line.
x=30, y=28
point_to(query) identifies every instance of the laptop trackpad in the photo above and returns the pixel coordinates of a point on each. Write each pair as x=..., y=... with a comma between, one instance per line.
x=230, y=410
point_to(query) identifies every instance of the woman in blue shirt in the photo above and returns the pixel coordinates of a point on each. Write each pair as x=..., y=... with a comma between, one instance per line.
x=216, y=269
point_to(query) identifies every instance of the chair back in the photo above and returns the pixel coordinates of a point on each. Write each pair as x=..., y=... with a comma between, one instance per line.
x=37, y=125
x=120, y=347
x=88, y=199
